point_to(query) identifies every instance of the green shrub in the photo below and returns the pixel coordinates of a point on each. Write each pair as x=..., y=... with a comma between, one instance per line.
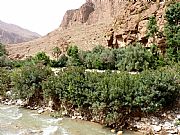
x=73, y=51
x=5, y=81
x=73, y=59
x=61, y=62
x=156, y=89
x=113, y=97
x=42, y=58
x=172, y=31
x=99, y=58
x=152, y=28
x=133, y=58
x=56, y=52
x=2, y=50
x=27, y=82
x=5, y=62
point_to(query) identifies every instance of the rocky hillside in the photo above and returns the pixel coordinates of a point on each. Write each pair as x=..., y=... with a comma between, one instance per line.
x=10, y=34
x=114, y=23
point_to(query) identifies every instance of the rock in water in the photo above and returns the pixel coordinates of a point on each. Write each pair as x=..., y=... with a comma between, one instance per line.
x=40, y=111
x=113, y=130
x=19, y=102
x=119, y=132
x=156, y=128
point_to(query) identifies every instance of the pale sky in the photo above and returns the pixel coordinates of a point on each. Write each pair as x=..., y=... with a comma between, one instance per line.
x=41, y=16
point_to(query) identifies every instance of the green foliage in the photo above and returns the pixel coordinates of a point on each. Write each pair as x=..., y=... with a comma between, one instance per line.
x=152, y=28
x=20, y=63
x=73, y=51
x=173, y=14
x=133, y=58
x=4, y=60
x=98, y=49
x=56, y=52
x=2, y=50
x=73, y=59
x=42, y=57
x=98, y=58
x=5, y=81
x=114, y=97
x=61, y=62
x=27, y=81
x=172, y=31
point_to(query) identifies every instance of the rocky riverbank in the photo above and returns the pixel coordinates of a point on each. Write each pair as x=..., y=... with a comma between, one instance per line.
x=167, y=123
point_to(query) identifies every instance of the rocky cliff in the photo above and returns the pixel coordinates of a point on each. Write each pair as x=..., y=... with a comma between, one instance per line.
x=10, y=33
x=113, y=23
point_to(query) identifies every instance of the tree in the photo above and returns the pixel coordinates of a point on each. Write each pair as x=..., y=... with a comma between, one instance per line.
x=61, y=62
x=73, y=54
x=2, y=50
x=42, y=57
x=73, y=51
x=4, y=60
x=27, y=82
x=172, y=31
x=152, y=28
x=56, y=52
x=5, y=81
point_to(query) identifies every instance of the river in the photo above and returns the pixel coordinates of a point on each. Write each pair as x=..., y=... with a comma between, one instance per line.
x=20, y=121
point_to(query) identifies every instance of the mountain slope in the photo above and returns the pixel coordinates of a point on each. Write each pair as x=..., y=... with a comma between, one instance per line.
x=10, y=33
x=114, y=23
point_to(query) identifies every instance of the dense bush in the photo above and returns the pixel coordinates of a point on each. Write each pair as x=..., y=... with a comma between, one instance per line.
x=100, y=58
x=2, y=50
x=131, y=58
x=172, y=31
x=4, y=60
x=56, y=52
x=152, y=28
x=27, y=82
x=112, y=97
x=60, y=62
x=73, y=59
x=42, y=58
x=5, y=81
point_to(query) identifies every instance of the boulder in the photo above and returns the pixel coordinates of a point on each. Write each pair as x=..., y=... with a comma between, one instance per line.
x=156, y=128
x=119, y=132
x=41, y=110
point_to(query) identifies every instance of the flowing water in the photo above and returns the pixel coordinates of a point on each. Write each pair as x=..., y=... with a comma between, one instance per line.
x=19, y=121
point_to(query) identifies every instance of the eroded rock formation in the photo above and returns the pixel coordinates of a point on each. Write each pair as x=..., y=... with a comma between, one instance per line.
x=113, y=23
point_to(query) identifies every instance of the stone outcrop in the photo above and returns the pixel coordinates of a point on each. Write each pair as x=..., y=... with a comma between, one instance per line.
x=110, y=23
x=130, y=26
x=77, y=16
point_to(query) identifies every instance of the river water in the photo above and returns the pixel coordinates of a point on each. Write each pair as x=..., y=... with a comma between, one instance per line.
x=19, y=121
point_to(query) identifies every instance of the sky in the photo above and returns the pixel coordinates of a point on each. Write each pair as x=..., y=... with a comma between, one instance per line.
x=41, y=16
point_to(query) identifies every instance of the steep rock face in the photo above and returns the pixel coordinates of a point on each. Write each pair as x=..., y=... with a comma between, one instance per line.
x=10, y=33
x=131, y=25
x=113, y=23
x=93, y=11
x=77, y=16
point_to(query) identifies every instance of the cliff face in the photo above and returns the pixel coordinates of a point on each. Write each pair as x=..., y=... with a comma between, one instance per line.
x=77, y=16
x=10, y=33
x=93, y=11
x=113, y=23
x=125, y=21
